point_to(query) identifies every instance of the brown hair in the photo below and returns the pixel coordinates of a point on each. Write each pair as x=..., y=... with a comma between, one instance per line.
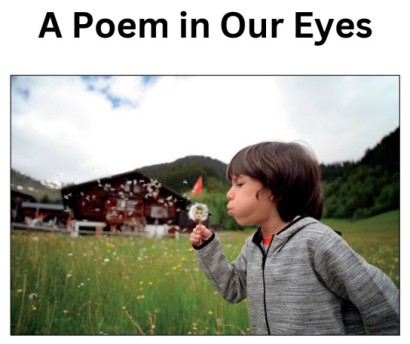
x=289, y=170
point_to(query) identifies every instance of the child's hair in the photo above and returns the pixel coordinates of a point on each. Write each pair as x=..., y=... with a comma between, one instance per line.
x=289, y=170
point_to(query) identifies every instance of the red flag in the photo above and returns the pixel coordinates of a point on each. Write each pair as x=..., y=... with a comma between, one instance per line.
x=197, y=189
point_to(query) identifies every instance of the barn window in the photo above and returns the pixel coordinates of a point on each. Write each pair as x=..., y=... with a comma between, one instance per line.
x=137, y=188
x=127, y=186
x=131, y=205
x=158, y=212
x=121, y=204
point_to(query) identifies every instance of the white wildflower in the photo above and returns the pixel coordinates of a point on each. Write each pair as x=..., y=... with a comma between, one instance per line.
x=32, y=296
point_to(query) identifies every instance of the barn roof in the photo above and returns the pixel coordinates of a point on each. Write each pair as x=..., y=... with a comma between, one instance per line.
x=131, y=175
x=19, y=193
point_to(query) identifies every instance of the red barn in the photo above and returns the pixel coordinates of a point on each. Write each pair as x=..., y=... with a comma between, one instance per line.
x=126, y=202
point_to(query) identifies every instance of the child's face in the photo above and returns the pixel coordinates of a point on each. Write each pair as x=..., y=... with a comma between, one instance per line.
x=245, y=206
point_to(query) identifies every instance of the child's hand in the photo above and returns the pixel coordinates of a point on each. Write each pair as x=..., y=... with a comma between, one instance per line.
x=199, y=234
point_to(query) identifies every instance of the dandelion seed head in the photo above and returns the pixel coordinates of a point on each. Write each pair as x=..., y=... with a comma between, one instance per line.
x=198, y=212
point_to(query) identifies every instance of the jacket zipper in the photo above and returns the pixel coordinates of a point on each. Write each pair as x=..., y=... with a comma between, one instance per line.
x=256, y=241
x=264, y=256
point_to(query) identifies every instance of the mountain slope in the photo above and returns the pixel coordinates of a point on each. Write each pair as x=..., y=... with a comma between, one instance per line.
x=43, y=192
x=181, y=174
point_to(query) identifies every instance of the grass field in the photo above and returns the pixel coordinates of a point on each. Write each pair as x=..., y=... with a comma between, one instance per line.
x=120, y=285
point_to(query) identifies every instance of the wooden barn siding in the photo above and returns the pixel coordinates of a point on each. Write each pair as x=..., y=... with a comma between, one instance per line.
x=98, y=201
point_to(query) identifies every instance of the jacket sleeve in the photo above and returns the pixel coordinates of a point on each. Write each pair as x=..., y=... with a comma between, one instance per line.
x=228, y=278
x=348, y=275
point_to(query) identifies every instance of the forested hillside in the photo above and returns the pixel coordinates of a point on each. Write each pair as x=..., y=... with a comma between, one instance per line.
x=367, y=187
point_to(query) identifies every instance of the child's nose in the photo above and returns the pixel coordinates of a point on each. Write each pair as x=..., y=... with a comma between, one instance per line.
x=229, y=194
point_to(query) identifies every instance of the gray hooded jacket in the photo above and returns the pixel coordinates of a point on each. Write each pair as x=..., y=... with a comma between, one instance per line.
x=308, y=282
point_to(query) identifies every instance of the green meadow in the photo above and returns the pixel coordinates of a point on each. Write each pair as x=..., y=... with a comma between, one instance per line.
x=129, y=285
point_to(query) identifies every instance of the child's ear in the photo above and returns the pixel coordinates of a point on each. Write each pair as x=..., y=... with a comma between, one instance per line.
x=273, y=198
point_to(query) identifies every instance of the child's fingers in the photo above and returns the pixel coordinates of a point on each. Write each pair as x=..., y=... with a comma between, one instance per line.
x=195, y=239
x=199, y=234
x=200, y=229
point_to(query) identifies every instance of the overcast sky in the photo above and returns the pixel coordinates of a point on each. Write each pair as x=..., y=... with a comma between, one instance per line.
x=78, y=128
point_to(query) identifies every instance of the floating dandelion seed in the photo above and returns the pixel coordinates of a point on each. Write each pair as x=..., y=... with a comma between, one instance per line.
x=198, y=213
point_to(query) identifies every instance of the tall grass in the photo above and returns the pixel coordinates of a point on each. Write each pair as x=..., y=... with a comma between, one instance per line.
x=114, y=285
x=120, y=285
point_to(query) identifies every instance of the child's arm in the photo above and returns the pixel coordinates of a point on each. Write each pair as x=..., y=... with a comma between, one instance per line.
x=228, y=278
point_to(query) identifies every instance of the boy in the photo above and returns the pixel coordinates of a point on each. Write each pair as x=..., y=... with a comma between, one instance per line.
x=300, y=276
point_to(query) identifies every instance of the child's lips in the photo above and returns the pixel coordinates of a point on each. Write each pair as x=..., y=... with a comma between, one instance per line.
x=230, y=210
